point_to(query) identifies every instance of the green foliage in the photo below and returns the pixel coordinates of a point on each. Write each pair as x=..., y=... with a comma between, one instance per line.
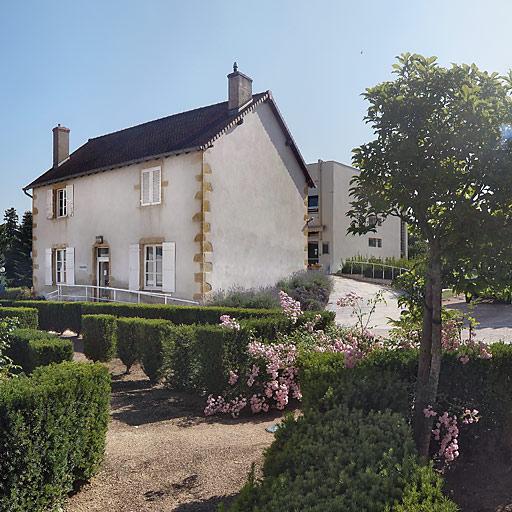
x=129, y=348
x=56, y=316
x=30, y=348
x=99, y=335
x=52, y=434
x=27, y=317
x=176, y=314
x=261, y=298
x=310, y=287
x=154, y=337
x=342, y=461
x=16, y=293
x=7, y=367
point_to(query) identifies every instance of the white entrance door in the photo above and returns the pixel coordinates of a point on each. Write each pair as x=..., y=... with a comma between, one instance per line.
x=103, y=272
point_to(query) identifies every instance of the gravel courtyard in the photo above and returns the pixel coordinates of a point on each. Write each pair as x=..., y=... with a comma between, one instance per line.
x=164, y=455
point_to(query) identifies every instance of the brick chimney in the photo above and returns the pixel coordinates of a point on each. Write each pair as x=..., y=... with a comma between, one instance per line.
x=239, y=89
x=60, y=144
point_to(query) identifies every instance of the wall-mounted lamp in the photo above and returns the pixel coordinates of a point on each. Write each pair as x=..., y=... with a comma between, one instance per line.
x=99, y=239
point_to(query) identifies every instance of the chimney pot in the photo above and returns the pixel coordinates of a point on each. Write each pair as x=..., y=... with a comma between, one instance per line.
x=239, y=89
x=60, y=144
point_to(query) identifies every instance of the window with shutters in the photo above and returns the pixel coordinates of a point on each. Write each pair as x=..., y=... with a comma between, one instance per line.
x=151, y=187
x=61, y=203
x=153, y=275
x=60, y=266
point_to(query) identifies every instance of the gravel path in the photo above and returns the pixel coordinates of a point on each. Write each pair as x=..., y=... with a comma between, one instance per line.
x=163, y=455
x=495, y=320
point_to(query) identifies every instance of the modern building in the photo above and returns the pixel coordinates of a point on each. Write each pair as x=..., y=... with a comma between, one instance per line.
x=203, y=200
x=328, y=204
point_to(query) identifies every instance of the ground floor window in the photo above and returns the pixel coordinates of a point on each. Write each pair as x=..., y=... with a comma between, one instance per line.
x=153, y=266
x=375, y=242
x=313, y=253
x=60, y=266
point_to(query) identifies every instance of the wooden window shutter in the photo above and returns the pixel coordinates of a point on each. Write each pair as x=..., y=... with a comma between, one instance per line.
x=134, y=267
x=70, y=203
x=49, y=204
x=169, y=266
x=156, y=189
x=146, y=188
x=70, y=265
x=48, y=274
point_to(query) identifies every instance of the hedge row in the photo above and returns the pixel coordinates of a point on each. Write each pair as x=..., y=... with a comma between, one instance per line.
x=27, y=317
x=30, y=348
x=342, y=461
x=190, y=357
x=386, y=380
x=52, y=433
x=59, y=316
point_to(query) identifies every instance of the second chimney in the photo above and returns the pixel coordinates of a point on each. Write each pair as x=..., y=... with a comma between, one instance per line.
x=239, y=89
x=60, y=144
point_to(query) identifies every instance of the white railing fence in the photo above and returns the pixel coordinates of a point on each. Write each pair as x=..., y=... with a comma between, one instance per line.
x=85, y=292
x=372, y=270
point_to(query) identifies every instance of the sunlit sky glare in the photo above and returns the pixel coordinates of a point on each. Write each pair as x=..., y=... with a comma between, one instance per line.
x=97, y=66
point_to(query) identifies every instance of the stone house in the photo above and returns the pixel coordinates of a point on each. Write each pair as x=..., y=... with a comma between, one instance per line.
x=203, y=200
x=328, y=204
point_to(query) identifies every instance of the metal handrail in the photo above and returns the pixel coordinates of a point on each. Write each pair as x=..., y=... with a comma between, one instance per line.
x=373, y=265
x=59, y=294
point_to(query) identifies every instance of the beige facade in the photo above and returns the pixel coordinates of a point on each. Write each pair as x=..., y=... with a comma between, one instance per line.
x=229, y=215
x=328, y=241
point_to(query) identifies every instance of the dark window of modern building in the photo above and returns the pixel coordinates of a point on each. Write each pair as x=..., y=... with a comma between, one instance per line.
x=375, y=242
x=312, y=204
x=325, y=248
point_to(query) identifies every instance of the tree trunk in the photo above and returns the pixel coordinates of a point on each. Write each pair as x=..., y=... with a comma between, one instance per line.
x=429, y=365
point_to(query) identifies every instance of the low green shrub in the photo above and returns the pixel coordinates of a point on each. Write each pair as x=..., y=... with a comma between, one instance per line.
x=154, y=338
x=311, y=288
x=341, y=461
x=176, y=314
x=99, y=335
x=258, y=298
x=129, y=348
x=16, y=293
x=27, y=317
x=56, y=316
x=31, y=348
x=52, y=433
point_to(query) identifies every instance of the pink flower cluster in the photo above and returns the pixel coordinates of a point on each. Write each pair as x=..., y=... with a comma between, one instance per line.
x=291, y=308
x=229, y=323
x=221, y=405
x=446, y=431
x=349, y=299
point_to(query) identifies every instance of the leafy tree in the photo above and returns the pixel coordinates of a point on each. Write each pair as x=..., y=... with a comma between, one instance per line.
x=440, y=161
x=22, y=252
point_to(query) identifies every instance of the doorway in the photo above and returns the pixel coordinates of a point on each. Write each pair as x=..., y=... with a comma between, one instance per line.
x=103, y=272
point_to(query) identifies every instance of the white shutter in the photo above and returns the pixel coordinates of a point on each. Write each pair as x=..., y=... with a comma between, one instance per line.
x=70, y=203
x=70, y=265
x=49, y=204
x=156, y=186
x=145, y=188
x=134, y=268
x=169, y=266
x=48, y=277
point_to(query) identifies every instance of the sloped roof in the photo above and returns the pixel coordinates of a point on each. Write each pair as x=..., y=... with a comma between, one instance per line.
x=188, y=131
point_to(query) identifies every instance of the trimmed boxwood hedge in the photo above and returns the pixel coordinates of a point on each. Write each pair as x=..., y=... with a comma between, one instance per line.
x=52, y=433
x=31, y=348
x=27, y=317
x=56, y=316
x=341, y=461
x=100, y=337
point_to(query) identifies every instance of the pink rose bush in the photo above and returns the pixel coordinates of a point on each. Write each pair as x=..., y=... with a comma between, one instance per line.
x=229, y=323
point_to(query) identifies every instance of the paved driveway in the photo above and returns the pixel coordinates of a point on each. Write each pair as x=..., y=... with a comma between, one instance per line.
x=495, y=319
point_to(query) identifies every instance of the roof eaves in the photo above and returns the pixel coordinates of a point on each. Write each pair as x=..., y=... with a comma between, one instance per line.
x=110, y=167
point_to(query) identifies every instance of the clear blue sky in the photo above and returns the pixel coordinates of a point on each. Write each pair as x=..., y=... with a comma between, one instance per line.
x=99, y=66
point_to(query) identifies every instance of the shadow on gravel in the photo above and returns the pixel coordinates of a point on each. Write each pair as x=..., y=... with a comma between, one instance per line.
x=209, y=505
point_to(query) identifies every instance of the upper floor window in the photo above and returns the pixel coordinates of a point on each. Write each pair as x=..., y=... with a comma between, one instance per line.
x=374, y=221
x=151, y=186
x=375, y=242
x=61, y=203
x=313, y=204
x=153, y=266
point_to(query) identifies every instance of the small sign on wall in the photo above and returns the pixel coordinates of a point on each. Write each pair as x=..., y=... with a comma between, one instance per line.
x=83, y=267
